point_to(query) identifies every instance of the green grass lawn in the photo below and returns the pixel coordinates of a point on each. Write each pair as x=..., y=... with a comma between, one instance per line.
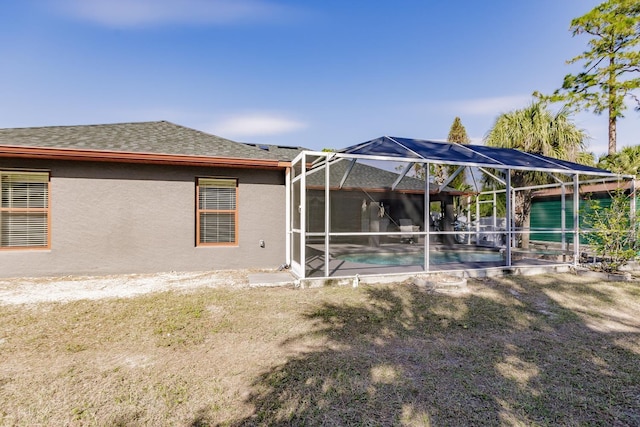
x=546, y=350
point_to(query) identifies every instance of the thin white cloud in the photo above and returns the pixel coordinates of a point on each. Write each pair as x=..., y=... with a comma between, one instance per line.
x=253, y=125
x=490, y=106
x=145, y=13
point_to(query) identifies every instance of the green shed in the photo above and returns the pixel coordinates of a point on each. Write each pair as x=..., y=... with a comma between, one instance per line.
x=546, y=210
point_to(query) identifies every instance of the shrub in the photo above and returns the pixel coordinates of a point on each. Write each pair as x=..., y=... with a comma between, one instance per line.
x=613, y=231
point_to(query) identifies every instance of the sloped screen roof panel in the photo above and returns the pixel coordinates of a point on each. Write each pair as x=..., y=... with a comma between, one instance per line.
x=443, y=151
x=575, y=166
x=511, y=157
x=477, y=155
x=381, y=147
x=420, y=149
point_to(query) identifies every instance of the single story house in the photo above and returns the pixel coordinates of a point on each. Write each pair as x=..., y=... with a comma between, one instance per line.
x=138, y=198
x=155, y=196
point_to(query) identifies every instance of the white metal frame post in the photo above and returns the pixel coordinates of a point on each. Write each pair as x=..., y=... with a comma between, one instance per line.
x=477, y=218
x=327, y=215
x=468, y=236
x=509, y=218
x=302, y=209
x=427, y=217
x=494, y=215
x=563, y=218
x=632, y=208
x=576, y=219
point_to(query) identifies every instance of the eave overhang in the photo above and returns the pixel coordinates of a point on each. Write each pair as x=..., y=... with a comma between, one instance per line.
x=8, y=151
x=595, y=188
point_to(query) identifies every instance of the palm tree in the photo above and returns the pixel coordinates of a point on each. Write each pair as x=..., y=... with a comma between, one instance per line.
x=626, y=161
x=536, y=130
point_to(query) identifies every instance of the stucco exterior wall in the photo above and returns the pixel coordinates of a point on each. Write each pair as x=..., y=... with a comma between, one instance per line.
x=130, y=218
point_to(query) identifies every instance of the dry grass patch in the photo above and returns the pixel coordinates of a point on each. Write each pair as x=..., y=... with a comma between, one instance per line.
x=528, y=351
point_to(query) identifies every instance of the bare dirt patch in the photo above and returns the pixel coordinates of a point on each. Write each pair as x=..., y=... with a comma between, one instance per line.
x=71, y=288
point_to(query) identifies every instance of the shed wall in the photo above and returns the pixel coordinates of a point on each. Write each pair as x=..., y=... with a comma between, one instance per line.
x=547, y=213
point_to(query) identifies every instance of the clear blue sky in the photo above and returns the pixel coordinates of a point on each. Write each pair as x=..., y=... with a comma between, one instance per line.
x=311, y=73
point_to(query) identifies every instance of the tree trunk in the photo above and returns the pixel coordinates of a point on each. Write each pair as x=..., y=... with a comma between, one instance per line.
x=526, y=224
x=612, y=132
x=448, y=220
x=612, y=113
x=523, y=216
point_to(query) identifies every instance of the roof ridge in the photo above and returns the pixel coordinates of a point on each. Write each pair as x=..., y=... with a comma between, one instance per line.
x=197, y=130
x=90, y=125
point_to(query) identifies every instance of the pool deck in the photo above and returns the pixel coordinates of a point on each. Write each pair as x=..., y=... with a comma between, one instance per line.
x=342, y=268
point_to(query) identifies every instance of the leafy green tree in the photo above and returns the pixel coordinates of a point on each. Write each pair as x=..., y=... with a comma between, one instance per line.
x=610, y=65
x=535, y=129
x=626, y=161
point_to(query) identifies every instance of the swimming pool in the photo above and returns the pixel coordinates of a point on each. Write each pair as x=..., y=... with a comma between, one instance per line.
x=417, y=258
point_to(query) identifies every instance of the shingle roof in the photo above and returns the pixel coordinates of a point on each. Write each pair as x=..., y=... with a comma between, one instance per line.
x=283, y=152
x=158, y=137
x=364, y=176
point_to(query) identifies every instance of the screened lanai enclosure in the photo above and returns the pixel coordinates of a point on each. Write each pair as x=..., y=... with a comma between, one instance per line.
x=384, y=206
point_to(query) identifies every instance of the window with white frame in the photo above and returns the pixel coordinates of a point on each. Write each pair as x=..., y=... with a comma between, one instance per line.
x=217, y=213
x=24, y=209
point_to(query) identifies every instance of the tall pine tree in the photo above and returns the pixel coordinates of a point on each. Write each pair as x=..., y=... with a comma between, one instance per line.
x=611, y=65
x=457, y=134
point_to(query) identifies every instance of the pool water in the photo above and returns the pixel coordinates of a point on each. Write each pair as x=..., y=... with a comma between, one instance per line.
x=417, y=258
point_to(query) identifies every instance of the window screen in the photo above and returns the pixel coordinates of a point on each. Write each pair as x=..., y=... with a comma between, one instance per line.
x=217, y=211
x=24, y=209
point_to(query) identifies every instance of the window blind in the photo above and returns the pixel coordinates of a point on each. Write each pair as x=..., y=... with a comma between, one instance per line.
x=24, y=209
x=217, y=211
